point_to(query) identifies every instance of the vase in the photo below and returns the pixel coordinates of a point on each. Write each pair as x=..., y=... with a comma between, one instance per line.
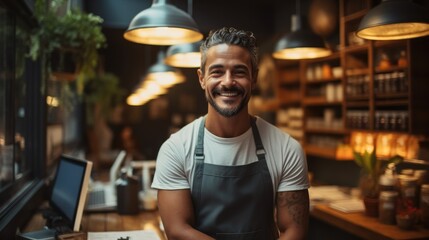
x=371, y=206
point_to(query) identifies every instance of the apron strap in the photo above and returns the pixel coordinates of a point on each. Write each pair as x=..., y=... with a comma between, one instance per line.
x=260, y=151
x=199, y=162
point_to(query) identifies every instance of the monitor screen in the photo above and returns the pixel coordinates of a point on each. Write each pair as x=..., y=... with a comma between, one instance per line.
x=69, y=189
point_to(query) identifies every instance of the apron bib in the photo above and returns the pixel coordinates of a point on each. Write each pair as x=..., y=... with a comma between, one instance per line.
x=233, y=202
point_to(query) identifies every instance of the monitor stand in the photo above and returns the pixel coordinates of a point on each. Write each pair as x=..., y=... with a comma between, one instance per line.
x=55, y=225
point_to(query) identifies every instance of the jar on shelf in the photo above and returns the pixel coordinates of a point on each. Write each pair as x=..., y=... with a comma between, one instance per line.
x=384, y=62
x=402, y=60
x=326, y=71
x=387, y=207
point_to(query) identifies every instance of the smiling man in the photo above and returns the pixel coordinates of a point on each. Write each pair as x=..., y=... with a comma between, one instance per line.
x=228, y=174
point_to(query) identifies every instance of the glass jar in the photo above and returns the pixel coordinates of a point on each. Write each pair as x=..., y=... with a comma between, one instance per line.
x=424, y=205
x=408, y=189
x=387, y=183
x=387, y=207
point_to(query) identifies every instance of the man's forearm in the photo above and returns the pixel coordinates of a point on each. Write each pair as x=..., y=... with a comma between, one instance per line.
x=187, y=234
x=293, y=214
x=293, y=233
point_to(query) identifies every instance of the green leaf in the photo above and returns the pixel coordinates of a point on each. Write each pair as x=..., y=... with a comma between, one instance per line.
x=358, y=158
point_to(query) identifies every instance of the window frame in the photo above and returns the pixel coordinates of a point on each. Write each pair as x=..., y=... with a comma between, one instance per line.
x=23, y=196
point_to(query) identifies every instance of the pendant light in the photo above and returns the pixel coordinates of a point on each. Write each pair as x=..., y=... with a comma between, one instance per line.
x=162, y=24
x=164, y=75
x=185, y=55
x=301, y=43
x=394, y=19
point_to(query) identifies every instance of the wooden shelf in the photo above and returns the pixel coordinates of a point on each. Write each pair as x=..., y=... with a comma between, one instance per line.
x=390, y=69
x=392, y=102
x=357, y=71
x=356, y=104
x=357, y=98
x=327, y=131
x=325, y=152
x=319, y=101
x=322, y=81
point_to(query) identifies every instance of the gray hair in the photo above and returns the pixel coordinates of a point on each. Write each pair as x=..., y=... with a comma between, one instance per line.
x=231, y=36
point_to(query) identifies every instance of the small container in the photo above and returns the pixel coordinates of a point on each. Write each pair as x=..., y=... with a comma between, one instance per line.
x=424, y=205
x=127, y=191
x=387, y=207
x=408, y=188
x=387, y=183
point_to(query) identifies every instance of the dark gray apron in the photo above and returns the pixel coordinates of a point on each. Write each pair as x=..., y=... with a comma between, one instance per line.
x=233, y=202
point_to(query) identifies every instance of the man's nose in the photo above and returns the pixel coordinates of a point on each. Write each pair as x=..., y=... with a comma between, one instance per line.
x=228, y=79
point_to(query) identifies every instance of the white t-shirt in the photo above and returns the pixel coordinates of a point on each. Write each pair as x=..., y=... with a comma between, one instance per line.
x=284, y=155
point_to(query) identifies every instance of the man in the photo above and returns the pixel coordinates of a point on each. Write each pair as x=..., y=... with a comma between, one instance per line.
x=230, y=175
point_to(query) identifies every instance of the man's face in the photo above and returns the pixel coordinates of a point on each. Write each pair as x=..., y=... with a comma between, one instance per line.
x=228, y=79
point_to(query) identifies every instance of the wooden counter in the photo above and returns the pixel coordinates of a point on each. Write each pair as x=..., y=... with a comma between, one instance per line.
x=102, y=222
x=366, y=227
x=355, y=223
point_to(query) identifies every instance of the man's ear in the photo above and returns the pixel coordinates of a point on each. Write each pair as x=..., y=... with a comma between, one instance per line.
x=201, y=79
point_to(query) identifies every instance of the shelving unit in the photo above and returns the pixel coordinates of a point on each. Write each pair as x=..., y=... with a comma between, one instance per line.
x=374, y=86
x=323, y=106
x=290, y=114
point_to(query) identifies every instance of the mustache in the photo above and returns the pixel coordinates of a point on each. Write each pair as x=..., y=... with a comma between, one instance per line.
x=223, y=89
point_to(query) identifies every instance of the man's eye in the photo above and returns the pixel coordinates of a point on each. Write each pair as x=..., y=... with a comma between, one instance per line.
x=216, y=72
x=240, y=73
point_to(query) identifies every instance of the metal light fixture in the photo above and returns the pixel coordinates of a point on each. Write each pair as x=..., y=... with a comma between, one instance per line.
x=162, y=24
x=185, y=55
x=164, y=75
x=394, y=19
x=301, y=43
x=157, y=80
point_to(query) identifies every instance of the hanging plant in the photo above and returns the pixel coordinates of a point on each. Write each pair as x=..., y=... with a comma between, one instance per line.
x=101, y=94
x=74, y=32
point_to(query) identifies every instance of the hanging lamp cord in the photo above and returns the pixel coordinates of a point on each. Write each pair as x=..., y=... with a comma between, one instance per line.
x=190, y=7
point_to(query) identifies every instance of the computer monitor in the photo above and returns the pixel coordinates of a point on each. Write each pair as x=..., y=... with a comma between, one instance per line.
x=69, y=189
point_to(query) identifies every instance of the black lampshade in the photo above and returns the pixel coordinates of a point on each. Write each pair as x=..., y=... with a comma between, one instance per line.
x=301, y=43
x=394, y=19
x=164, y=75
x=162, y=24
x=185, y=55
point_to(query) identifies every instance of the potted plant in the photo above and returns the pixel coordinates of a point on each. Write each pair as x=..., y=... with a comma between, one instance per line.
x=74, y=34
x=372, y=168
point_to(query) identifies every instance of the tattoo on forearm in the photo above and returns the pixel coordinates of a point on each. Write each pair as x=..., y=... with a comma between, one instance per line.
x=297, y=204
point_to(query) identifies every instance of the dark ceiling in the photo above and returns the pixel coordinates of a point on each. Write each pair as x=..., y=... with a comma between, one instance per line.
x=266, y=18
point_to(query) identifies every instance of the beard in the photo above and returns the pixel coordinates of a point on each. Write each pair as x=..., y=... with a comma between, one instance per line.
x=231, y=110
